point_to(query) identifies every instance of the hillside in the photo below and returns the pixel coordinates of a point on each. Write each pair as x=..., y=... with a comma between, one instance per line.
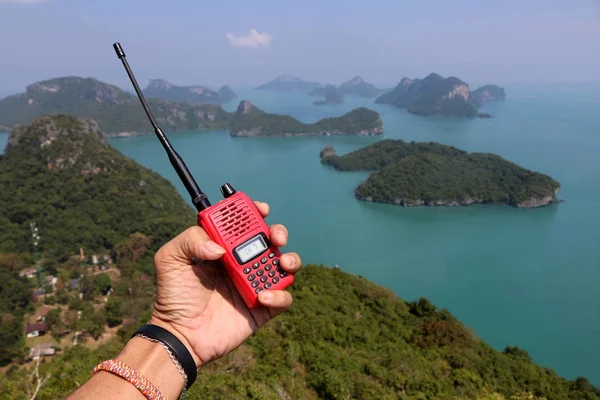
x=433, y=174
x=288, y=83
x=119, y=114
x=345, y=338
x=250, y=121
x=357, y=86
x=161, y=89
x=433, y=95
x=116, y=111
x=60, y=173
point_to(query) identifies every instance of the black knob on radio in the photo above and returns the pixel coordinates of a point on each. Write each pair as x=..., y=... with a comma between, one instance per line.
x=227, y=190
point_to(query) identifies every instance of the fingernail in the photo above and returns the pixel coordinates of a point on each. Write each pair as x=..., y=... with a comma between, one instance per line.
x=212, y=247
x=267, y=297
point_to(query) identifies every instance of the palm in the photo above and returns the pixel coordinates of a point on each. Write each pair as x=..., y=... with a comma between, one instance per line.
x=204, y=305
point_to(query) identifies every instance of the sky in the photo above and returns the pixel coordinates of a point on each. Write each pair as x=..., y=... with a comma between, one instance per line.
x=246, y=43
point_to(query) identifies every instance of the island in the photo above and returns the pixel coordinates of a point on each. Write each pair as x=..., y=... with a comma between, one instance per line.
x=432, y=174
x=198, y=94
x=103, y=216
x=288, y=83
x=323, y=91
x=119, y=114
x=333, y=97
x=357, y=86
x=486, y=93
x=226, y=94
x=433, y=95
x=251, y=121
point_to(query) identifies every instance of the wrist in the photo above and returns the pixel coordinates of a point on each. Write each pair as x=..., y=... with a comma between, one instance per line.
x=151, y=360
x=173, y=330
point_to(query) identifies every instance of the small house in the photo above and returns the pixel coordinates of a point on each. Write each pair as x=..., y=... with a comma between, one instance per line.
x=37, y=329
x=74, y=283
x=44, y=349
x=51, y=280
x=42, y=316
x=28, y=273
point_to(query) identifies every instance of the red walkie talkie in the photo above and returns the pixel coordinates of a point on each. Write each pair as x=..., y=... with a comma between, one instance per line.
x=251, y=260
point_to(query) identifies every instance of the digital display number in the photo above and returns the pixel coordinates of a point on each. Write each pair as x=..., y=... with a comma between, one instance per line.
x=251, y=248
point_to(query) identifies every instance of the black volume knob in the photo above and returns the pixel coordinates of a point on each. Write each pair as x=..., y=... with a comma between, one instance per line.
x=227, y=190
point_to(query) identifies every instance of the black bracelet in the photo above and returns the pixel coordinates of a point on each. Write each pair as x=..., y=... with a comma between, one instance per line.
x=175, y=345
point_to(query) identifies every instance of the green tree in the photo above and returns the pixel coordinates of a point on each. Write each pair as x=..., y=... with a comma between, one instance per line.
x=130, y=250
x=113, y=311
x=103, y=283
x=93, y=323
x=52, y=317
x=11, y=337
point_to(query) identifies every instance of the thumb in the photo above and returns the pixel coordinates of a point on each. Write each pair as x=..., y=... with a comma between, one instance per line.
x=191, y=243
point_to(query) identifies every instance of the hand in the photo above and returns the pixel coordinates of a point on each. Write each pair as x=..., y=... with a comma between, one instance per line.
x=197, y=301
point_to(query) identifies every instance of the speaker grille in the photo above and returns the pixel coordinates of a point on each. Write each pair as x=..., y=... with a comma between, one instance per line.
x=234, y=220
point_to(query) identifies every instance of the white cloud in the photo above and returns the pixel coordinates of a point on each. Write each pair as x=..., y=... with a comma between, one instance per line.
x=253, y=40
x=23, y=1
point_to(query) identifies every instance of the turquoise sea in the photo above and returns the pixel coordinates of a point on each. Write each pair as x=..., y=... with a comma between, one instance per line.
x=529, y=278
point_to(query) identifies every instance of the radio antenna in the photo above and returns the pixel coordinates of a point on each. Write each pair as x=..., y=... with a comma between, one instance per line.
x=199, y=199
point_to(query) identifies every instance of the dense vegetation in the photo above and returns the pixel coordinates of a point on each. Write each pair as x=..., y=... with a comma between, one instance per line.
x=119, y=113
x=250, y=121
x=433, y=95
x=161, y=89
x=15, y=300
x=435, y=174
x=61, y=174
x=114, y=109
x=344, y=337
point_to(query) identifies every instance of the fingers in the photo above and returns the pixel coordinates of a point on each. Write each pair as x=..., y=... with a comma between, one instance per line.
x=276, y=300
x=193, y=242
x=290, y=262
x=279, y=235
x=263, y=208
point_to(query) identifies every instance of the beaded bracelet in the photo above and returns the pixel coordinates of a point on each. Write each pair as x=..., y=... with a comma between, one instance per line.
x=132, y=376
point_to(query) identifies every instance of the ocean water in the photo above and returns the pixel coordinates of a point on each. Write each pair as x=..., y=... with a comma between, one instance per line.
x=529, y=278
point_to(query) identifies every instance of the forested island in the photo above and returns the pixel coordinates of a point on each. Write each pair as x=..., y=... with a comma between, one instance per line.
x=161, y=89
x=250, y=121
x=436, y=95
x=102, y=216
x=432, y=174
x=118, y=113
x=333, y=97
x=288, y=83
